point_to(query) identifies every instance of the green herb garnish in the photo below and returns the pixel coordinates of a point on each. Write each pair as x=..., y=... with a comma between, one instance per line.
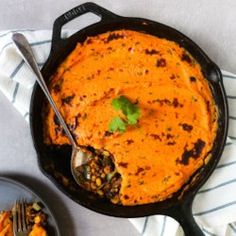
x=36, y=206
x=130, y=111
x=117, y=124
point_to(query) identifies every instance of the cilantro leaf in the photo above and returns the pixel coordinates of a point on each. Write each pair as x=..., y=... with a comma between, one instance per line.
x=130, y=110
x=117, y=103
x=117, y=124
x=124, y=104
x=132, y=118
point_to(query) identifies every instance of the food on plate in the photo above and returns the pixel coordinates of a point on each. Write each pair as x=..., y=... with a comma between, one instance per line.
x=36, y=218
x=142, y=106
x=5, y=224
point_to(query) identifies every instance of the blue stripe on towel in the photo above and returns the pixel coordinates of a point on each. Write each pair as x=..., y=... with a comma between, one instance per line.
x=228, y=144
x=208, y=232
x=26, y=114
x=232, y=117
x=15, y=92
x=217, y=186
x=232, y=137
x=41, y=64
x=215, y=209
x=163, y=226
x=229, y=76
x=17, y=69
x=40, y=42
x=226, y=164
x=231, y=97
x=145, y=225
x=232, y=227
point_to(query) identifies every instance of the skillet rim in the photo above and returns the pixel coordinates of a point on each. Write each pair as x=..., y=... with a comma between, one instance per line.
x=191, y=194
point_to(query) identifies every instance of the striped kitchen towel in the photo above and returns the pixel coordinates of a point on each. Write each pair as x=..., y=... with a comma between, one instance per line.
x=215, y=204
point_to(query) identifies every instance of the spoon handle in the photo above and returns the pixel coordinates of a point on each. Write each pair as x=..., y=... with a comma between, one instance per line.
x=26, y=51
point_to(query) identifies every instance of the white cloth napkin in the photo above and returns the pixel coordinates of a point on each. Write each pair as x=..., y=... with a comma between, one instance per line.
x=215, y=204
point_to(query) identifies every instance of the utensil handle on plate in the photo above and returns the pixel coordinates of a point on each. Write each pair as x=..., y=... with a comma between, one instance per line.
x=26, y=51
x=183, y=214
x=76, y=12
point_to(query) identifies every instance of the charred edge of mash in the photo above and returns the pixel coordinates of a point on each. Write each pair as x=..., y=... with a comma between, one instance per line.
x=195, y=152
x=185, y=57
x=114, y=36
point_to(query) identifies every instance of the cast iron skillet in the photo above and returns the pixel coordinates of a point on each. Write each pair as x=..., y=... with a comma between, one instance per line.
x=55, y=162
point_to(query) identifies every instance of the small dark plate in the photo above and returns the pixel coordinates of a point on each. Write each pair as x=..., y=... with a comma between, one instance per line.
x=11, y=190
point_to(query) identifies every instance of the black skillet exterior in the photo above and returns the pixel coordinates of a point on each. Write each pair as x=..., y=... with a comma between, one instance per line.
x=55, y=162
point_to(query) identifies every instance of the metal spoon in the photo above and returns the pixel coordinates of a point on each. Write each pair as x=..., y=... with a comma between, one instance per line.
x=78, y=156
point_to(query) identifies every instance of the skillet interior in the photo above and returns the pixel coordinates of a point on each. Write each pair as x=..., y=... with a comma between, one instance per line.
x=55, y=162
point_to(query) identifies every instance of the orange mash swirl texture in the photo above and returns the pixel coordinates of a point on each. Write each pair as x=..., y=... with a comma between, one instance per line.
x=178, y=122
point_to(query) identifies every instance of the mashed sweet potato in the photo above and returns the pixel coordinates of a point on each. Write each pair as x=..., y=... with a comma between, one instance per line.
x=5, y=224
x=178, y=122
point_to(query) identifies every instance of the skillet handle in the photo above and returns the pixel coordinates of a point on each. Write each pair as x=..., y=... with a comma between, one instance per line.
x=76, y=12
x=183, y=214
